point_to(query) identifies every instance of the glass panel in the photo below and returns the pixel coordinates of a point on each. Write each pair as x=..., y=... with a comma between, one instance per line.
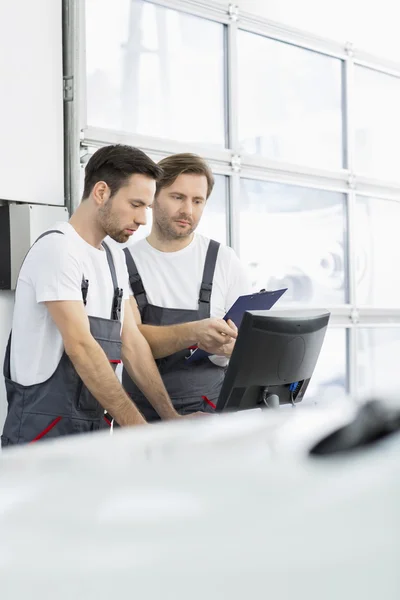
x=377, y=123
x=378, y=252
x=290, y=102
x=329, y=380
x=149, y=70
x=294, y=237
x=370, y=27
x=378, y=361
x=213, y=223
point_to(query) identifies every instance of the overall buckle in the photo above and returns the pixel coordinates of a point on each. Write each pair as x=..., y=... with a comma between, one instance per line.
x=205, y=293
x=117, y=304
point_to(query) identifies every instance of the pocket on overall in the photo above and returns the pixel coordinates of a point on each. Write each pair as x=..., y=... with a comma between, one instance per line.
x=86, y=402
x=209, y=404
x=36, y=427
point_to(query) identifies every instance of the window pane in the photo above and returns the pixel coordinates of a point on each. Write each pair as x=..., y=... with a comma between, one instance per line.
x=290, y=102
x=378, y=361
x=378, y=252
x=377, y=123
x=329, y=379
x=294, y=237
x=149, y=70
x=372, y=27
x=213, y=223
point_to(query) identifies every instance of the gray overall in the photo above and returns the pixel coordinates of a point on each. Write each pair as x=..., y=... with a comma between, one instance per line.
x=193, y=386
x=62, y=405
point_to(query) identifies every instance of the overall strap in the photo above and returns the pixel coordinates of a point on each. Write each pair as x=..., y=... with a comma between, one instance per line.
x=47, y=233
x=85, y=282
x=118, y=292
x=135, y=281
x=207, y=282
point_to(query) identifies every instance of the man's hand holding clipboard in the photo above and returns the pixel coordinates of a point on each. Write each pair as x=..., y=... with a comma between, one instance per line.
x=262, y=300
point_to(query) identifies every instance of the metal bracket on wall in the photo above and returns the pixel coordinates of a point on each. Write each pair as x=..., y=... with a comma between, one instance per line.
x=84, y=154
x=68, y=88
x=351, y=181
x=349, y=49
x=236, y=163
x=233, y=12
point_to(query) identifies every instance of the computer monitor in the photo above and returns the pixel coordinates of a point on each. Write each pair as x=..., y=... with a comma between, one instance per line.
x=273, y=359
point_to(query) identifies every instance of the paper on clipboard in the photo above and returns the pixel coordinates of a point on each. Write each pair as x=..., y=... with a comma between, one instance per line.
x=258, y=301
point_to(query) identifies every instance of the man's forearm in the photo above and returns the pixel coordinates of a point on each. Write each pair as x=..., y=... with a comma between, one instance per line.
x=139, y=362
x=165, y=340
x=94, y=369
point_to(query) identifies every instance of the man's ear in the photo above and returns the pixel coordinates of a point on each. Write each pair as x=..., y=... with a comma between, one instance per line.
x=101, y=193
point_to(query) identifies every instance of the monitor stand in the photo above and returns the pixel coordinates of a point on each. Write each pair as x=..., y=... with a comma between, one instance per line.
x=270, y=400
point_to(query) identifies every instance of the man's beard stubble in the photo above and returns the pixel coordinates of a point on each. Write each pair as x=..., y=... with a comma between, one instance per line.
x=110, y=225
x=166, y=230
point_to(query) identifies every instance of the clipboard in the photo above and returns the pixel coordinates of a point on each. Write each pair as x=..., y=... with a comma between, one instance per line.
x=262, y=300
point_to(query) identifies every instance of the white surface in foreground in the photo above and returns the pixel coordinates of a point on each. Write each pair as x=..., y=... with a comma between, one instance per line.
x=229, y=507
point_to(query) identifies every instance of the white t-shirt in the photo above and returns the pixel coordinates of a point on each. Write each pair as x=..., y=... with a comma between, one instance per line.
x=172, y=279
x=53, y=270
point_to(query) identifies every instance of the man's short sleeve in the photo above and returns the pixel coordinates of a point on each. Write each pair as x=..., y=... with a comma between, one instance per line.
x=238, y=283
x=54, y=270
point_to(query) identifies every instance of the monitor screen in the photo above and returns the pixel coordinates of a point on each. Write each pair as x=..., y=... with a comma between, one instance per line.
x=274, y=358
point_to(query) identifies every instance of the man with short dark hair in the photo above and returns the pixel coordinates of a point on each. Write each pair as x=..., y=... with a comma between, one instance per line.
x=73, y=322
x=183, y=284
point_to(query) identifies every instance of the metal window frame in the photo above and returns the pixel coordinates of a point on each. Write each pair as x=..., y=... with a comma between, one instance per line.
x=81, y=139
x=206, y=9
x=97, y=137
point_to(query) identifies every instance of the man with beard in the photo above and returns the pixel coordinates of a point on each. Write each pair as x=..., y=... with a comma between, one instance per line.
x=73, y=322
x=183, y=284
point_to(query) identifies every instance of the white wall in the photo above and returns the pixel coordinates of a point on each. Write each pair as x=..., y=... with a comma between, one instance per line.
x=31, y=105
x=31, y=118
